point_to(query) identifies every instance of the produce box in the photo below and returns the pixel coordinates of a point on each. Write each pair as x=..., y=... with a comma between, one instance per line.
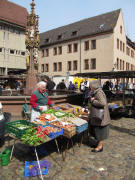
x=81, y=128
x=68, y=130
x=32, y=169
x=18, y=128
x=58, y=131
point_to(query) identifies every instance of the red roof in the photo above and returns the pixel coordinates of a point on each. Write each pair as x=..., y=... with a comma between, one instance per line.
x=13, y=13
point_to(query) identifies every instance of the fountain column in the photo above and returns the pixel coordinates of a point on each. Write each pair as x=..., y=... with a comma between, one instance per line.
x=32, y=46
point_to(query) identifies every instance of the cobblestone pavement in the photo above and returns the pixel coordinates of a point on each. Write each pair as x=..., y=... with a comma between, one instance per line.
x=116, y=162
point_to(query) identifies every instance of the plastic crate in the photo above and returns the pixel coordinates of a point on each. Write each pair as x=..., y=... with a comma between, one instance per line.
x=81, y=128
x=55, y=134
x=10, y=127
x=35, y=171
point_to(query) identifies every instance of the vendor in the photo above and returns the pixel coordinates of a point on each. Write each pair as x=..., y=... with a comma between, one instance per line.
x=39, y=100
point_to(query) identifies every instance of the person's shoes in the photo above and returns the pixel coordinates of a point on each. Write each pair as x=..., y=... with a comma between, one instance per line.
x=94, y=150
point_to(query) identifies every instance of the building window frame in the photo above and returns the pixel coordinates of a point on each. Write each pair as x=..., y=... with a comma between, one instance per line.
x=55, y=67
x=75, y=47
x=93, y=44
x=93, y=63
x=86, y=45
x=69, y=66
x=86, y=64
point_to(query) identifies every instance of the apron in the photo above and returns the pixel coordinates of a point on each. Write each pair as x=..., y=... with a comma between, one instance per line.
x=36, y=114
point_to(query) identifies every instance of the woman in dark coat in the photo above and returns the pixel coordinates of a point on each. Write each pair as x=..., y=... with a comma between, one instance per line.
x=99, y=128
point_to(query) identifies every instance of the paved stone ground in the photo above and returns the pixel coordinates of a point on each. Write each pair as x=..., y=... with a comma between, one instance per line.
x=116, y=162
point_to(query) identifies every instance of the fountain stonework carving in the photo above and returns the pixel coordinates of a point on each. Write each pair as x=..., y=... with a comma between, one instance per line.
x=32, y=45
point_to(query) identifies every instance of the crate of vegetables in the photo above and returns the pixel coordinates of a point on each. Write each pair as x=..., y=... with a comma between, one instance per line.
x=69, y=129
x=53, y=131
x=18, y=128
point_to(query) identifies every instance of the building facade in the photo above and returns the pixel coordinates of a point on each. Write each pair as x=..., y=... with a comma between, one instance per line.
x=12, y=37
x=97, y=44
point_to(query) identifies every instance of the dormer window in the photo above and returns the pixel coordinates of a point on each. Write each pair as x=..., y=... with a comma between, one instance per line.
x=74, y=33
x=47, y=40
x=59, y=37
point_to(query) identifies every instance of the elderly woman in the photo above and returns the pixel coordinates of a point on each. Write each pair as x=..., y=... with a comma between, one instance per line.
x=99, y=115
x=39, y=100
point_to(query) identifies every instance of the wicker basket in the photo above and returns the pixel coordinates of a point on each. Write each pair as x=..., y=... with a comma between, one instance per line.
x=69, y=133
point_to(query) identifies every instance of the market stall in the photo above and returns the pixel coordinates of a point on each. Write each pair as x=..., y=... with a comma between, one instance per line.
x=120, y=100
x=63, y=121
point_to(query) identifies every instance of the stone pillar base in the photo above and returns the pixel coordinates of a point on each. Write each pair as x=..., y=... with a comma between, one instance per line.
x=31, y=84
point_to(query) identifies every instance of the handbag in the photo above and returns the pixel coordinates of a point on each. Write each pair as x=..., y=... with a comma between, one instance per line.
x=96, y=115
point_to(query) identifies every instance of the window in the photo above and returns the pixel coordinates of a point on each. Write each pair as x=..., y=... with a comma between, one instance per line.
x=127, y=66
x=93, y=44
x=93, y=63
x=0, y=27
x=46, y=67
x=117, y=63
x=75, y=47
x=47, y=40
x=117, y=43
x=121, y=45
x=69, y=66
x=11, y=30
x=23, y=53
x=121, y=29
x=12, y=51
x=60, y=49
x=42, y=52
x=74, y=33
x=69, y=48
x=42, y=68
x=128, y=51
x=55, y=51
x=54, y=67
x=86, y=45
x=120, y=64
x=132, y=67
x=59, y=66
x=86, y=64
x=74, y=65
x=0, y=49
x=132, y=53
x=17, y=31
x=46, y=52
x=59, y=37
x=123, y=65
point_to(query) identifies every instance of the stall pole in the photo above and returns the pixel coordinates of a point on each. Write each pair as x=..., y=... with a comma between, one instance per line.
x=38, y=163
x=57, y=146
x=12, y=150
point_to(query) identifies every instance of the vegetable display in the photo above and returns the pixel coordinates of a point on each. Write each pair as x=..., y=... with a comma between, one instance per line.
x=34, y=136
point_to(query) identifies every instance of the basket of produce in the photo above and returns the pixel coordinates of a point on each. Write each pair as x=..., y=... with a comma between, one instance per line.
x=18, y=128
x=46, y=117
x=34, y=136
x=81, y=128
x=69, y=129
x=81, y=124
x=32, y=168
x=53, y=131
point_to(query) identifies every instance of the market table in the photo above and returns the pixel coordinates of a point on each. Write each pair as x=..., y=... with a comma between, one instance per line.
x=35, y=148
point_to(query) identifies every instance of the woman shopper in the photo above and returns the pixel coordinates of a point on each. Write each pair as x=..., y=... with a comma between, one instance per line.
x=99, y=115
x=39, y=100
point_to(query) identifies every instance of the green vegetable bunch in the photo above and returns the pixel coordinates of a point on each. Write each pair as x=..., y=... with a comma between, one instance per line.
x=32, y=138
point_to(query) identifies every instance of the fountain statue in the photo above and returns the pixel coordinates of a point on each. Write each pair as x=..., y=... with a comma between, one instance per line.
x=32, y=46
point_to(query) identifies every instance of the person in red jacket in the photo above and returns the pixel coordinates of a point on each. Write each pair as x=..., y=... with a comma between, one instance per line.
x=39, y=100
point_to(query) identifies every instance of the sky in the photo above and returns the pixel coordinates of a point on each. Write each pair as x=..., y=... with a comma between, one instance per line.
x=57, y=13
